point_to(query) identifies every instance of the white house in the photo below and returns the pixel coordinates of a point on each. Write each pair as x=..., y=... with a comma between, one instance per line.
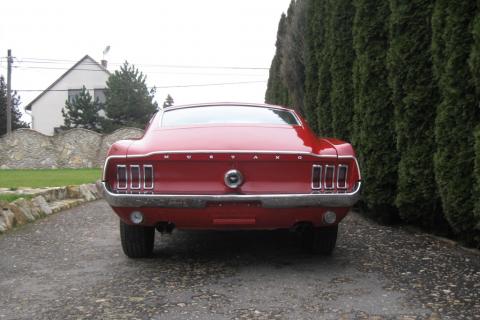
x=46, y=108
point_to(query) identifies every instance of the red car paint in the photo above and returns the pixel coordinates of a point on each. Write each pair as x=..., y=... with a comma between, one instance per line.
x=274, y=159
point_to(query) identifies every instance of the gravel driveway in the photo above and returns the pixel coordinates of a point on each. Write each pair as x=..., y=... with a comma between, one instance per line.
x=70, y=266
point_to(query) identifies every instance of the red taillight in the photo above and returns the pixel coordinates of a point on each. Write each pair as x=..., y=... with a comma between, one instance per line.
x=148, y=177
x=135, y=177
x=316, y=176
x=122, y=176
x=342, y=176
x=329, y=177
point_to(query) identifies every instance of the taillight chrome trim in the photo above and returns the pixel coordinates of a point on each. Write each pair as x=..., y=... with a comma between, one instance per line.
x=327, y=168
x=118, y=177
x=345, y=185
x=145, y=176
x=136, y=187
x=319, y=174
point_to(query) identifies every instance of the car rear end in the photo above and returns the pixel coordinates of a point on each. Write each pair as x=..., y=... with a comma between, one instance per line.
x=208, y=167
x=189, y=189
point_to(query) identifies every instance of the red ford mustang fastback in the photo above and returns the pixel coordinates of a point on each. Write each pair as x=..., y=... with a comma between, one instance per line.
x=230, y=166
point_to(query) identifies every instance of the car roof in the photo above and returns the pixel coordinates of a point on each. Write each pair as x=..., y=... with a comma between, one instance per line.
x=227, y=104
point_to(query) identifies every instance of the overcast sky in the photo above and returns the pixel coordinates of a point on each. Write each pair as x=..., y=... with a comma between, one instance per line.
x=224, y=33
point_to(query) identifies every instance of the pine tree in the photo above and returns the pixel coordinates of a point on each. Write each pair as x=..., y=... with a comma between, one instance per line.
x=324, y=108
x=82, y=112
x=341, y=67
x=456, y=114
x=129, y=102
x=168, y=102
x=276, y=92
x=374, y=134
x=414, y=98
x=16, y=114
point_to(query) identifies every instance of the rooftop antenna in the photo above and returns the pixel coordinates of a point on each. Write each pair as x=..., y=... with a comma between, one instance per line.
x=105, y=52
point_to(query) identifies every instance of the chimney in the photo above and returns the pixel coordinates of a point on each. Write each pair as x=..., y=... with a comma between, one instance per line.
x=104, y=63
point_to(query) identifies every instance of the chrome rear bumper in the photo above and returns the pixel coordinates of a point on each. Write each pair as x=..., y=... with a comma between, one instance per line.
x=341, y=200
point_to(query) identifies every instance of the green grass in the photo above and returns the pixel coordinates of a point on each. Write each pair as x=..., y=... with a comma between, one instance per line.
x=13, y=197
x=38, y=178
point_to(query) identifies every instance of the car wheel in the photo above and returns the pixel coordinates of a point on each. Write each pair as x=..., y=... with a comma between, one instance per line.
x=137, y=241
x=320, y=240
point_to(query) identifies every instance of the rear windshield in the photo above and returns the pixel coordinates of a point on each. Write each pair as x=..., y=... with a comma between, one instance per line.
x=227, y=115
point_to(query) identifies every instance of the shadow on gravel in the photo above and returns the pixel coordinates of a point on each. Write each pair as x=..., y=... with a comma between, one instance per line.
x=269, y=248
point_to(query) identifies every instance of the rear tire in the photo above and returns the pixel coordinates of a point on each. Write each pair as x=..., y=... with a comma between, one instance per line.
x=320, y=240
x=137, y=241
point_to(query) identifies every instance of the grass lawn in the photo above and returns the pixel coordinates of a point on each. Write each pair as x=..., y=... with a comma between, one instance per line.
x=47, y=177
x=13, y=197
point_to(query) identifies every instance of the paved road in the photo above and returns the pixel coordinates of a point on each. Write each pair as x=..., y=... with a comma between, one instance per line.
x=70, y=266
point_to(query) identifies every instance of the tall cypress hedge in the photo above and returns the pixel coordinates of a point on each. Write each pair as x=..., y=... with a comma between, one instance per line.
x=293, y=62
x=311, y=64
x=475, y=70
x=456, y=115
x=414, y=98
x=476, y=193
x=439, y=18
x=341, y=67
x=474, y=60
x=375, y=134
x=324, y=114
x=410, y=71
x=276, y=92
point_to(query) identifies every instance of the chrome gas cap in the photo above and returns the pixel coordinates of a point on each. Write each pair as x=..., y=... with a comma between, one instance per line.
x=233, y=178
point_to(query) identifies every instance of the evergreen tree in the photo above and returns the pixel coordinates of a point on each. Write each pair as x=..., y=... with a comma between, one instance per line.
x=374, y=134
x=341, y=67
x=476, y=192
x=129, y=102
x=474, y=61
x=311, y=64
x=292, y=67
x=456, y=115
x=16, y=114
x=168, y=102
x=276, y=92
x=82, y=112
x=475, y=69
x=403, y=63
x=438, y=33
x=414, y=98
x=324, y=113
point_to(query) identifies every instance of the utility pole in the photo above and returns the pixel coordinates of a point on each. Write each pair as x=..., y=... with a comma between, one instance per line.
x=9, y=92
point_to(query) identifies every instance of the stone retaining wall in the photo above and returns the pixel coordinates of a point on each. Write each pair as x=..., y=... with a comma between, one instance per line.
x=43, y=202
x=76, y=148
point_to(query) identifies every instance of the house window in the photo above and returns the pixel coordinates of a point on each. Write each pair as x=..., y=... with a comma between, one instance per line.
x=72, y=93
x=100, y=95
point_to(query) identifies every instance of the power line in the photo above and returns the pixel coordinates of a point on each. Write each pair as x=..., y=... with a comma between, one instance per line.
x=179, y=66
x=149, y=72
x=55, y=68
x=159, y=87
x=209, y=84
